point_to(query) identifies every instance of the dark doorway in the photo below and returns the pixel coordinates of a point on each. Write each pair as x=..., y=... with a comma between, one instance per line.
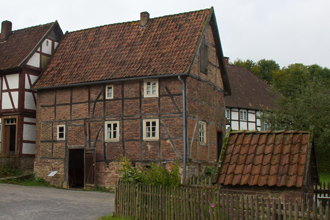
x=76, y=168
x=10, y=139
x=220, y=142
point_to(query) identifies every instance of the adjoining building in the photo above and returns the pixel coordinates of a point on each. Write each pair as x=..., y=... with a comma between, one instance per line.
x=150, y=90
x=249, y=98
x=23, y=55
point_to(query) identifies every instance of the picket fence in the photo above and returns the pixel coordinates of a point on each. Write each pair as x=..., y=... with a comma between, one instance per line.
x=143, y=201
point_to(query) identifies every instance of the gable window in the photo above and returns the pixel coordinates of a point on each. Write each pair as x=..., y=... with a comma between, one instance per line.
x=202, y=132
x=111, y=131
x=150, y=129
x=151, y=88
x=60, y=132
x=228, y=114
x=109, y=92
x=203, y=57
x=243, y=115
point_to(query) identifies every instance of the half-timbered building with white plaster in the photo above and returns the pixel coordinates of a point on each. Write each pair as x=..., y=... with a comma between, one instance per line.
x=250, y=97
x=23, y=55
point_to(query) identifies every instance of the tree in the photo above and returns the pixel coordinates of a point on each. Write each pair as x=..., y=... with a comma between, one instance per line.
x=265, y=69
x=309, y=107
x=248, y=64
x=288, y=80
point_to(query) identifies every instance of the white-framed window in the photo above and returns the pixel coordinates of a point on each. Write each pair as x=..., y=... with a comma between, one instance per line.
x=202, y=132
x=228, y=114
x=243, y=115
x=109, y=92
x=151, y=129
x=111, y=131
x=60, y=132
x=151, y=88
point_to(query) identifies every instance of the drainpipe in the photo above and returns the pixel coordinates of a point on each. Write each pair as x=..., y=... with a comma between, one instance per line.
x=184, y=129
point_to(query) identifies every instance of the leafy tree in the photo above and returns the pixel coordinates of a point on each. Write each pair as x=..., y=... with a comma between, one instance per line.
x=309, y=107
x=249, y=64
x=288, y=80
x=265, y=69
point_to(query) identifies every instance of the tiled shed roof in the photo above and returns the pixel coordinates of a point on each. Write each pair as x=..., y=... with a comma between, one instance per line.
x=165, y=46
x=16, y=49
x=248, y=90
x=265, y=158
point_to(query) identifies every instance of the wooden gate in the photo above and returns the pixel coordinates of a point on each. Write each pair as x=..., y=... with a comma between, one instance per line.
x=90, y=168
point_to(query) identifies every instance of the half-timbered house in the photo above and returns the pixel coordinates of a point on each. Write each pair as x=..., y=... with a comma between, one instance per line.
x=23, y=55
x=250, y=97
x=150, y=90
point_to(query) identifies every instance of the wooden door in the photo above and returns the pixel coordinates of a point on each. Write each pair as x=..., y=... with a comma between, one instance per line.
x=90, y=168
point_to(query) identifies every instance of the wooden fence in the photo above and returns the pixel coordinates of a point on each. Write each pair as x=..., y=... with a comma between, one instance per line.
x=155, y=202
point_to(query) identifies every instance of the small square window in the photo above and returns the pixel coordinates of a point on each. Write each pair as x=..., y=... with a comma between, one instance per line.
x=243, y=115
x=60, y=132
x=202, y=132
x=151, y=88
x=150, y=129
x=109, y=92
x=111, y=131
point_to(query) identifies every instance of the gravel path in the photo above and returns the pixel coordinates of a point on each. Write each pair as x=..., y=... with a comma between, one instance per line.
x=40, y=203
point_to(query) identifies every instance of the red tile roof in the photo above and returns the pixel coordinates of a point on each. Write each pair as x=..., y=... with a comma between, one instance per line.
x=18, y=46
x=248, y=90
x=165, y=46
x=265, y=158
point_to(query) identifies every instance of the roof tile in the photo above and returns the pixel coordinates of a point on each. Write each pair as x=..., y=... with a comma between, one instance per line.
x=250, y=91
x=265, y=159
x=16, y=48
x=165, y=46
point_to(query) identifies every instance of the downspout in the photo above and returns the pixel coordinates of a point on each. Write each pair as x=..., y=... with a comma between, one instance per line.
x=184, y=128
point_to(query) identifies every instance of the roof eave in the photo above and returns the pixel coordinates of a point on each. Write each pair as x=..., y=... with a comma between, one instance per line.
x=222, y=64
x=109, y=81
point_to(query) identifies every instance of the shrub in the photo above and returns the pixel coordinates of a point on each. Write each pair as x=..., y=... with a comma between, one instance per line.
x=155, y=175
x=6, y=171
x=209, y=171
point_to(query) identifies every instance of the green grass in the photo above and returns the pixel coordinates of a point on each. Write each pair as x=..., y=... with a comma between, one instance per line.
x=27, y=182
x=112, y=217
x=324, y=178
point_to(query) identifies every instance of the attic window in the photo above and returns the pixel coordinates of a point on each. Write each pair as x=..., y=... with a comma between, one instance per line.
x=203, y=57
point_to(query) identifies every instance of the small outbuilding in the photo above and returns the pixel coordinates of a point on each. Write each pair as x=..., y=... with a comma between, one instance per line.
x=278, y=164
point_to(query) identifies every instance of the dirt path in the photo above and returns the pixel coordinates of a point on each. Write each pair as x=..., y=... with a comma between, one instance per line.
x=40, y=203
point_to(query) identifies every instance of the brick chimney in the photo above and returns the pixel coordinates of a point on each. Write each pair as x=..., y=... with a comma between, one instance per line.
x=226, y=59
x=144, y=18
x=5, y=30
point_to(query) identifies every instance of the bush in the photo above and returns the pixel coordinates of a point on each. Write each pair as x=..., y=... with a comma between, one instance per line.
x=209, y=171
x=6, y=171
x=155, y=175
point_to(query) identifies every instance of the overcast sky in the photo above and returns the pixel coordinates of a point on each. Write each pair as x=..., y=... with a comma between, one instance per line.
x=287, y=31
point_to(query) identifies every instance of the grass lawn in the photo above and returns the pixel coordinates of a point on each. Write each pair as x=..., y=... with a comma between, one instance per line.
x=325, y=178
x=111, y=217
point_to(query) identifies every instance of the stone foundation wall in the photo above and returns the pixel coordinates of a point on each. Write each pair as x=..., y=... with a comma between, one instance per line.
x=24, y=163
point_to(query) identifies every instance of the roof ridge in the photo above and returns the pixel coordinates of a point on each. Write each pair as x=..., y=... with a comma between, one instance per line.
x=35, y=26
x=134, y=21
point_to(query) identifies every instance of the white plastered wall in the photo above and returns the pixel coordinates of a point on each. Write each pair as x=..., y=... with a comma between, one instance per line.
x=29, y=134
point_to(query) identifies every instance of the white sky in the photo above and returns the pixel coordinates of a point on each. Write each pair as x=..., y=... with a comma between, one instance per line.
x=287, y=31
